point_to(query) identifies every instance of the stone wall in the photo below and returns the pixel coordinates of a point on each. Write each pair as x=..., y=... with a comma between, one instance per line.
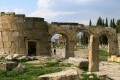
x=118, y=40
x=17, y=30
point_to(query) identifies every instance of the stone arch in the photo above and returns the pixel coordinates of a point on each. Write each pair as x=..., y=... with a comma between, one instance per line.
x=85, y=31
x=94, y=48
x=111, y=42
x=69, y=52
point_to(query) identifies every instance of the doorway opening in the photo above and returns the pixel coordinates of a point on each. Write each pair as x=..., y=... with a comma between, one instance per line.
x=81, y=45
x=103, y=47
x=32, y=48
x=59, y=45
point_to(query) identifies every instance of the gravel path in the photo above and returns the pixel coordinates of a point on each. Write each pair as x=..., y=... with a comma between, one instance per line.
x=111, y=69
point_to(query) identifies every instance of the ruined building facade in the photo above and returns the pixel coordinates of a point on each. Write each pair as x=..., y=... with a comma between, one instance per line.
x=32, y=36
x=18, y=31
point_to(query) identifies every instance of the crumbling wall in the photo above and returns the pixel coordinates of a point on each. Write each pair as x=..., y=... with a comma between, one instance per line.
x=17, y=30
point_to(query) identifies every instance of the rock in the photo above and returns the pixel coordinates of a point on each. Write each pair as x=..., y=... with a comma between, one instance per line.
x=16, y=56
x=7, y=65
x=63, y=75
x=82, y=63
x=9, y=57
x=3, y=55
x=90, y=76
x=32, y=58
x=20, y=67
x=89, y=73
x=23, y=58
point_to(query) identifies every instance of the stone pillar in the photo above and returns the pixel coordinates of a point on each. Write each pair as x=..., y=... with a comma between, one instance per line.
x=118, y=43
x=94, y=53
x=69, y=49
x=112, y=49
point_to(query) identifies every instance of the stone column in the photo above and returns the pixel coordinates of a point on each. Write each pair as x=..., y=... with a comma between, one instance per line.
x=118, y=43
x=112, y=49
x=94, y=53
x=70, y=49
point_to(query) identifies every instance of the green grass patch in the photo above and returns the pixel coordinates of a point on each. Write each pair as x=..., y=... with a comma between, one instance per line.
x=32, y=72
x=87, y=76
x=2, y=59
x=103, y=54
x=59, y=46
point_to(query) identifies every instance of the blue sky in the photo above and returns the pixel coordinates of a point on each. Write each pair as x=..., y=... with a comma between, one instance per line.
x=80, y=11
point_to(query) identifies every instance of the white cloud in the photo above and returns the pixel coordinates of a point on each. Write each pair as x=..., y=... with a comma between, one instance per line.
x=45, y=11
x=44, y=3
x=18, y=10
x=82, y=0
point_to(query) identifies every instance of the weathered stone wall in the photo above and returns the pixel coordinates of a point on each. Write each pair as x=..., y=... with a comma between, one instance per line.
x=17, y=30
x=118, y=40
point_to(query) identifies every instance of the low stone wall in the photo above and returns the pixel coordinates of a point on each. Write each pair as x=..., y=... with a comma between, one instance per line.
x=114, y=58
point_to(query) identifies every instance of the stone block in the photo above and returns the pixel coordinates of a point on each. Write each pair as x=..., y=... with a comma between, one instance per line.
x=7, y=50
x=16, y=33
x=8, y=65
x=1, y=44
x=64, y=75
x=1, y=50
x=5, y=38
x=4, y=33
x=118, y=59
x=7, y=44
x=1, y=39
x=0, y=34
x=82, y=63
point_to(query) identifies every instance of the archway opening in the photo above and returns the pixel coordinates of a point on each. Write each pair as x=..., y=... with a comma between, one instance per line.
x=59, y=45
x=82, y=45
x=103, y=47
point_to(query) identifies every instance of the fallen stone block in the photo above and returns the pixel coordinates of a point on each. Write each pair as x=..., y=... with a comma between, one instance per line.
x=82, y=63
x=20, y=67
x=8, y=65
x=63, y=75
x=16, y=56
x=9, y=58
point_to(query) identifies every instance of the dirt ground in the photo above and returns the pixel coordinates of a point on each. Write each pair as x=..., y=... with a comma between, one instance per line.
x=83, y=53
x=111, y=69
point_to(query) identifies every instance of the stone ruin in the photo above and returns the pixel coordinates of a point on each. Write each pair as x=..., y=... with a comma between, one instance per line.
x=32, y=36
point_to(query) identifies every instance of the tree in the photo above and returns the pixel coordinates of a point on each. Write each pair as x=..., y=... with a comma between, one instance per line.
x=111, y=23
x=106, y=23
x=99, y=22
x=103, y=24
x=84, y=39
x=90, y=23
x=118, y=22
x=118, y=26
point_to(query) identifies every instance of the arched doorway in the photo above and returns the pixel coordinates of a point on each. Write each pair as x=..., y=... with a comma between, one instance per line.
x=59, y=45
x=94, y=49
x=81, y=45
x=103, y=47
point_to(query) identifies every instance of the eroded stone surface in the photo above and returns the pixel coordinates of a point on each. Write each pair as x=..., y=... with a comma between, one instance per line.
x=110, y=69
x=64, y=75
